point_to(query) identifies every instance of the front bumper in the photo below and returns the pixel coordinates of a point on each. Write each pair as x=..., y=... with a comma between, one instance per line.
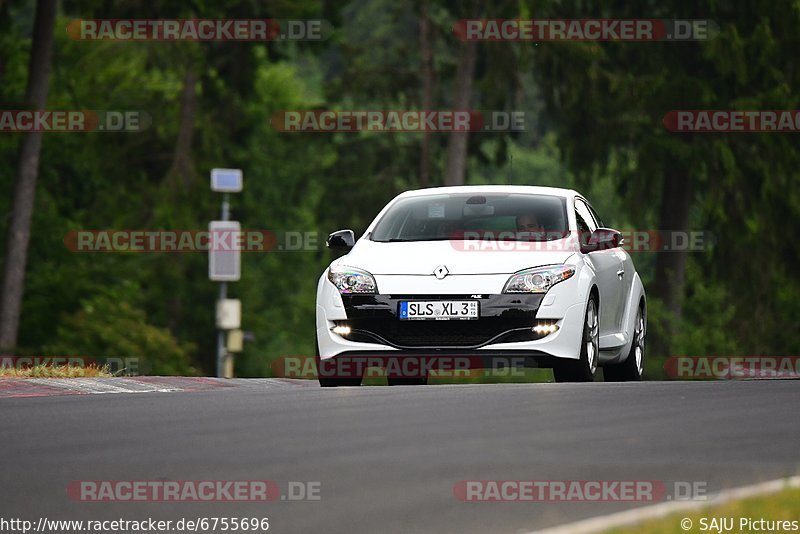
x=503, y=318
x=504, y=328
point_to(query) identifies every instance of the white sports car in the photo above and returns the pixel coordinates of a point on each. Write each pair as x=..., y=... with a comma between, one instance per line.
x=481, y=273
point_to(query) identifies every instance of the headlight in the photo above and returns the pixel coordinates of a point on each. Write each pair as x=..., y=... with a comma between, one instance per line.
x=352, y=280
x=538, y=279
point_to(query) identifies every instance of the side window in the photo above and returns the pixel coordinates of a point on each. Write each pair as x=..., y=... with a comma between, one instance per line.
x=582, y=210
x=596, y=216
x=583, y=228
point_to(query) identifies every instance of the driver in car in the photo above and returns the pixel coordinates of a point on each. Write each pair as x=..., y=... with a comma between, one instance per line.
x=529, y=228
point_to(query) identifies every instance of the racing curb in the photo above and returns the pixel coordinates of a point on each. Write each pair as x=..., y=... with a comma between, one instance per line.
x=51, y=387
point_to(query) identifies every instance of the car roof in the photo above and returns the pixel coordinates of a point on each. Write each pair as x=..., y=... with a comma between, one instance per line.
x=468, y=189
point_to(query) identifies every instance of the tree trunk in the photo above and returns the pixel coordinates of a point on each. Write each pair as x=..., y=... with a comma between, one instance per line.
x=5, y=24
x=457, y=143
x=670, y=268
x=182, y=174
x=19, y=228
x=426, y=51
x=182, y=169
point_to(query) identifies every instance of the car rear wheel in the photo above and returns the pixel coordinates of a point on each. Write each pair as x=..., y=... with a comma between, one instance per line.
x=584, y=368
x=633, y=366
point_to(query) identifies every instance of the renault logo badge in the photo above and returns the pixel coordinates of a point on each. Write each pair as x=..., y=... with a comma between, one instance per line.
x=440, y=272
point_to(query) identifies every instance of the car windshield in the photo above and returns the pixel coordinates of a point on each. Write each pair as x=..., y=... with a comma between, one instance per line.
x=491, y=216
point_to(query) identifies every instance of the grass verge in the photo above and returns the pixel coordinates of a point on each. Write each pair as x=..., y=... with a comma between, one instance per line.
x=56, y=371
x=774, y=507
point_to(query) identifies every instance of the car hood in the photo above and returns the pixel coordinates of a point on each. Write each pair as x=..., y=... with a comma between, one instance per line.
x=459, y=257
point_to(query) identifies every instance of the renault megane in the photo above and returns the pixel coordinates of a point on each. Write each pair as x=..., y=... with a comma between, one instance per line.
x=484, y=272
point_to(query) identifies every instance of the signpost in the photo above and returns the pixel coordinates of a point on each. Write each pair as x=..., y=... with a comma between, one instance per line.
x=224, y=262
x=226, y=180
x=224, y=251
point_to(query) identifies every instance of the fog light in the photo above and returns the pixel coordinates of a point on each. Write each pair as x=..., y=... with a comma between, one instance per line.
x=341, y=330
x=544, y=329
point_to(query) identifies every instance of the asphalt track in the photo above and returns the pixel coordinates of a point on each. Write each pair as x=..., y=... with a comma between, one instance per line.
x=388, y=459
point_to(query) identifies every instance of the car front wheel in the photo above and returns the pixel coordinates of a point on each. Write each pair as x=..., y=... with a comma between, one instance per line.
x=327, y=381
x=407, y=381
x=584, y=368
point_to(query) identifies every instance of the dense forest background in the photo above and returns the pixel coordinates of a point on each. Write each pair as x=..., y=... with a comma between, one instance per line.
x=594, y=111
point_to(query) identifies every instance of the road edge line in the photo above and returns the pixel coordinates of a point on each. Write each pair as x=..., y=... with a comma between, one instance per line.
x=656, y=511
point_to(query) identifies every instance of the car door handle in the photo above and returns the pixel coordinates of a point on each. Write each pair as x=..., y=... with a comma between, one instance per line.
x=621, y=273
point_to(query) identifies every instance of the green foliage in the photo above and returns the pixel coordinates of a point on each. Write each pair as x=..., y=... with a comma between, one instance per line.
x=705, y=327
x=111, y=325
x=594, y=118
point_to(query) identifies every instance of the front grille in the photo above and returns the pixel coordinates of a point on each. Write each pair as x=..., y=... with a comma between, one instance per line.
x=503, y=318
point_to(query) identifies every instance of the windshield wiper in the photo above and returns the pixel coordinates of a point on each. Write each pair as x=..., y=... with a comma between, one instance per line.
x=403, y=240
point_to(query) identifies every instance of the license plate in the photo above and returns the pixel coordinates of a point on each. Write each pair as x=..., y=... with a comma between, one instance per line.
x=441, y=310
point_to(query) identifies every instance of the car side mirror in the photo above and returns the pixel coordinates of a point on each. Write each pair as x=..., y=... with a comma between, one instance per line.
x=341, y=241
x=602, y=239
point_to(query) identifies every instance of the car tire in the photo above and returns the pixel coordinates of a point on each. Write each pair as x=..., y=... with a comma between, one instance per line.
x=407, y=381
x=584, y=368
x=332, y=382
x=633, y=367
